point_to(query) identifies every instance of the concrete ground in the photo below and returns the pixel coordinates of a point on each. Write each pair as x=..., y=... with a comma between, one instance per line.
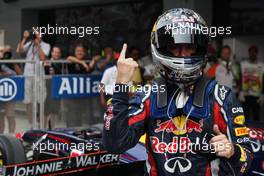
x=22, y=123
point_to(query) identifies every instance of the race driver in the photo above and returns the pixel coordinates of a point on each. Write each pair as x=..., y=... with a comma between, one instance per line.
x=193, y=125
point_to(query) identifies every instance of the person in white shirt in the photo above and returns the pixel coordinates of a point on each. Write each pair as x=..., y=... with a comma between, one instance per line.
x=252, y=89
x=36, y=50
x=223, y=72
x=107, y=84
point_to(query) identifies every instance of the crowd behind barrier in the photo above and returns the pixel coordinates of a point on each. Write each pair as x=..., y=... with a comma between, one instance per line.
x=245, y=77
x=64, y=92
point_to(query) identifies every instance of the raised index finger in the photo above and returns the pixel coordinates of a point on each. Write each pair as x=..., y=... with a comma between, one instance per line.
x=123, y=52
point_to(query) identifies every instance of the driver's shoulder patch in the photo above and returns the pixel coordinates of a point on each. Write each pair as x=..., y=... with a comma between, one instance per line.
x=220, y=93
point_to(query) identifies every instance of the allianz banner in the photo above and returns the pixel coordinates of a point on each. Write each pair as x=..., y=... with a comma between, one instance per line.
x=75, y=86
x=11, y=89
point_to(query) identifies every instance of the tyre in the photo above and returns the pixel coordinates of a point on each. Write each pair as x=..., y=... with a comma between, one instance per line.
x=11, y=150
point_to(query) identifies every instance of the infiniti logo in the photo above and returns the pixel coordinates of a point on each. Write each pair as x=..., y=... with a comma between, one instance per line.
x=179, y=163
x=8, y=89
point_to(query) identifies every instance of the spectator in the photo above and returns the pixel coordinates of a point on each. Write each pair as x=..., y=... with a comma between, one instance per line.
x=52, y=106
x=78, y=61
x=8, y=108
x=108, y=83
x=252, y=73
x=137, y=77
x=7, y=55
x=149, y=71
x=54, y=68
x=212, y=61
x=106, y=60
x=223, y=71
x=82, y=107
x=36, y=50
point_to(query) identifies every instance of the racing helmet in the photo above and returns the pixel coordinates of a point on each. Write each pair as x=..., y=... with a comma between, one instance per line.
x=177, y=27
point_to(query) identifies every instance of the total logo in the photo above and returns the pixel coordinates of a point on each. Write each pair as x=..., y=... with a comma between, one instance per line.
x=8, y=89
x=178, y=127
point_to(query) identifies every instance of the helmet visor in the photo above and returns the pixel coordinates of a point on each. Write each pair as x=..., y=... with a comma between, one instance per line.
x=165, y=37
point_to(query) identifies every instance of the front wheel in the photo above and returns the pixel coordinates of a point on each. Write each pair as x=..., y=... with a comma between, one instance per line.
x=11, y=150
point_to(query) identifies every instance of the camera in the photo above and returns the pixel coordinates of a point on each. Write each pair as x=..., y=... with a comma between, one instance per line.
x=7, y=55
x=32, y=35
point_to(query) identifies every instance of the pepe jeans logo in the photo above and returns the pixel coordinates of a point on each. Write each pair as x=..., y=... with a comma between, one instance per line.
x=178, y=163
x=8, y=89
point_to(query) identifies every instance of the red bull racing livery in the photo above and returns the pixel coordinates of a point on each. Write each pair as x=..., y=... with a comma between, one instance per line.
x=177, y=139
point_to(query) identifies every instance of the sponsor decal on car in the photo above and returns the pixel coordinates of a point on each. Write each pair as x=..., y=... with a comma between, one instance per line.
x=62, y=165
x=241, y=131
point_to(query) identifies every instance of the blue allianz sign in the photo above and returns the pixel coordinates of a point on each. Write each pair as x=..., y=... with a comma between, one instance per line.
x=11, y=89
x=75, y=86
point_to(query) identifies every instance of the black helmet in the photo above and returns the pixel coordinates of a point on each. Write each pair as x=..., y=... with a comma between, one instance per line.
x=176, y=27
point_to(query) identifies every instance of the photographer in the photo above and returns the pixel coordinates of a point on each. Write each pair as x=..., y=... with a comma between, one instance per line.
x=36, y=50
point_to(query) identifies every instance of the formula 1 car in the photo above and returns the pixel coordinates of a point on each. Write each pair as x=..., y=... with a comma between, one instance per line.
x=60, y=151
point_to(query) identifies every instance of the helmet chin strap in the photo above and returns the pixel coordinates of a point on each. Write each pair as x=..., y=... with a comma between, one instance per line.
x=187, y=88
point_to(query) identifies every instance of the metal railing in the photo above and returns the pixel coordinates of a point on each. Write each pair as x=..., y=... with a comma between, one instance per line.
x=39, y=78
x=34, y=77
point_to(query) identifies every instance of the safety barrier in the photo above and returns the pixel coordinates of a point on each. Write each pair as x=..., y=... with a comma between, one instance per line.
x=54, y=95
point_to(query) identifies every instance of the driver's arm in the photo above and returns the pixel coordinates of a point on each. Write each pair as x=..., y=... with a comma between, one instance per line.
x=234, y=127
x=125, y=120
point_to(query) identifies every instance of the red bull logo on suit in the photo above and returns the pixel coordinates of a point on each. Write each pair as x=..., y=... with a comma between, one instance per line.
x=178, y=127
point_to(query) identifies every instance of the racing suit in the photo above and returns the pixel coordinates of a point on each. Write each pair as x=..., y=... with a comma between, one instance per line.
x=177, y=139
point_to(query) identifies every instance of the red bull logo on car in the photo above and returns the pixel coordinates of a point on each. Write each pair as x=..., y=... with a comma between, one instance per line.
x=178, y=126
